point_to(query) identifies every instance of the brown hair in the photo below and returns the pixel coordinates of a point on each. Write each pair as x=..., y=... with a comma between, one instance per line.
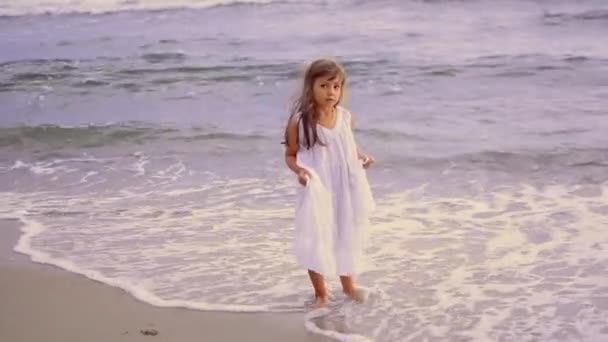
x=305, y=104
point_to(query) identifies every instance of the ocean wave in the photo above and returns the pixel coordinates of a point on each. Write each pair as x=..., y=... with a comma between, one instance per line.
x=555, y=18
x=160, y=57
x=375, y=133
x=11, y=9
x=220, y=136
x=576, y=59
x=526, y=163
x=533, y=159
x=123, y=73
x=158, y=68
x=25, y=62
x=527, y=65
x=53, y=136
x=148, y=70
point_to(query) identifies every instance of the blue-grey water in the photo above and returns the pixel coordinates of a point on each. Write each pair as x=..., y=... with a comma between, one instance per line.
x=140, y=146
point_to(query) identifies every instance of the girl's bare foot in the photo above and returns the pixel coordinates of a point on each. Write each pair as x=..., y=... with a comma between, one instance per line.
x=320, y=290
x=349, y=289
x=356, y=295
x=321, y=302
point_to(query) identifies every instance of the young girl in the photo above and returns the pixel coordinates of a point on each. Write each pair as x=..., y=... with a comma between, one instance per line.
x=335, y=200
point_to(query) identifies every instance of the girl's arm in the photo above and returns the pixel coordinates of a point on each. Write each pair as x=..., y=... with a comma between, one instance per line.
x=366, y=158
x=352, y=126
x=291, y=151
x=291, y=146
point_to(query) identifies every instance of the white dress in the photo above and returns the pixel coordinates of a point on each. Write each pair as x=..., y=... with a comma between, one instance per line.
x=333, y=209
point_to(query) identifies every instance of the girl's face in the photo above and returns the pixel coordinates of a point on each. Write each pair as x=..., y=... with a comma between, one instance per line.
x=327, y=90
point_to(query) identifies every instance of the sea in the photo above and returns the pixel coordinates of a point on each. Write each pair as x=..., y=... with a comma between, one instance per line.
x=140, y=146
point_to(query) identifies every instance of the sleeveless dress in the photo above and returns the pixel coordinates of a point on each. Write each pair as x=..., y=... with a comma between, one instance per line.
x=333, y=209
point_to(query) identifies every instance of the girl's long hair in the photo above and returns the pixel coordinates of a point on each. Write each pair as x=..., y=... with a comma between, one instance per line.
x=304, y=105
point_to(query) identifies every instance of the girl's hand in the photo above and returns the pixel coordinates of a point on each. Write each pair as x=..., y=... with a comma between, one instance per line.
x=367, y=160
x=303, y=176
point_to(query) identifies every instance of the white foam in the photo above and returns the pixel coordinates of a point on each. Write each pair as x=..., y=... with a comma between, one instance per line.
x=25, y=7
x=19, y=165
x=139, y=165
x=31, y=228
x=87, y=175
x=42, y=168
x=313, y=328
x=172, y=172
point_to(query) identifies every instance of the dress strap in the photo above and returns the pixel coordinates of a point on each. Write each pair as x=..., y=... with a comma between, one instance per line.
x=345, y=114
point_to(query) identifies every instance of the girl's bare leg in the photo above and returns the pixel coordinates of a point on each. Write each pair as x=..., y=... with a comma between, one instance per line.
x=319, y=285
x=348, y=287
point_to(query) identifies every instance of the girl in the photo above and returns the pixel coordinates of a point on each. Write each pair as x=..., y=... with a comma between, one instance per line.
x=333, y=206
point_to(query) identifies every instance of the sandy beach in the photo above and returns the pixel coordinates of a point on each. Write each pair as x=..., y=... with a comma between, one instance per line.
x=44, y=303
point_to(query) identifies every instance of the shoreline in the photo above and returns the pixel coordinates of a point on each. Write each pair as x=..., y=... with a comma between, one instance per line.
x=45, y=302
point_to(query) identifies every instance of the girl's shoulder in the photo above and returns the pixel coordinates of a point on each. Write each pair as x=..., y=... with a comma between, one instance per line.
x=343, y=110
x=345, y=113
x=295, y=118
